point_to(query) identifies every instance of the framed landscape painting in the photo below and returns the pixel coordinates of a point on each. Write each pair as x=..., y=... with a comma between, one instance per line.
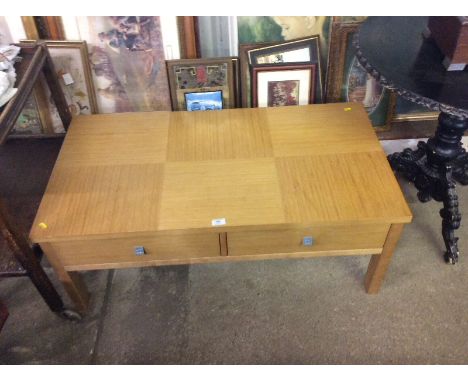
x=283, y=85
x=199, y=76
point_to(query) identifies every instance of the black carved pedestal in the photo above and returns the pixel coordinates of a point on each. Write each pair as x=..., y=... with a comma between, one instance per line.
x=434, y=167
x=397, y=52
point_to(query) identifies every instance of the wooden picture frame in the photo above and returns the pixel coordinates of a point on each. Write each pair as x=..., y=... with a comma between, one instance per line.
x=199, y=75
x=80, y=94
x=344, y=71
x=301, y=50
x=283, y=85
x=244, y=72
x=32, y=122
x=86, y=80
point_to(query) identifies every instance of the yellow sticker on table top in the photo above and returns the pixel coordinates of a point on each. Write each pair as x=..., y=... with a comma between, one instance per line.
x=347, y=109
x=42, y=225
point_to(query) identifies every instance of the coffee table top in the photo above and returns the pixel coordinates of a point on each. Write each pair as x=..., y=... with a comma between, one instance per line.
x=394, y=51
x=131, y=173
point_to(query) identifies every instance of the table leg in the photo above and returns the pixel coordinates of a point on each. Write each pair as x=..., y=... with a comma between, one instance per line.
x=433, y=168
x=28, y=258
x=378, y=264
x=72, y=282
x=3, y=314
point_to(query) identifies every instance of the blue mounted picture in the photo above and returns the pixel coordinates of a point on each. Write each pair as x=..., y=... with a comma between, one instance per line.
x=204, y=100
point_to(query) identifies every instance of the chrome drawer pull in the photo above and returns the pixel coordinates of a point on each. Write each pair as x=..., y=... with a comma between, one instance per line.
x=308, y=241
x=140, y=251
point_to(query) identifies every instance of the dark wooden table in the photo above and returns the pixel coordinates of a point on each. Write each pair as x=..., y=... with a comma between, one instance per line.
x=35, y=59
x=22, y=259
x=395, y=52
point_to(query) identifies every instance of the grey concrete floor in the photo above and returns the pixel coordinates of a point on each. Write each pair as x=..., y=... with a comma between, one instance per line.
x=309, y=311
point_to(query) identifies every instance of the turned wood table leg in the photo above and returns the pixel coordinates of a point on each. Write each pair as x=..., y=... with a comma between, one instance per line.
x=28, y=259
x=72, y=282
x=378, y=264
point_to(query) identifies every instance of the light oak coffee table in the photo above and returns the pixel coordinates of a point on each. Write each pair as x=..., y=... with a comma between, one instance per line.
x=147, y=189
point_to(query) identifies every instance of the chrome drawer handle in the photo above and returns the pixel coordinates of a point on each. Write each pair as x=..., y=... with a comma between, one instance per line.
x=308, y=241
x=140, y=251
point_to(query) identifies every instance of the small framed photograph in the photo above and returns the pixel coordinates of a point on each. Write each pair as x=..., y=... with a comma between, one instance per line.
x=198, y=101
x=304, y=50
x=280, y=85
x=200, y=76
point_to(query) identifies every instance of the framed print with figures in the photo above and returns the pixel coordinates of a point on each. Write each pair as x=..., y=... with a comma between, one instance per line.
x=127, y=60
x=283, y=85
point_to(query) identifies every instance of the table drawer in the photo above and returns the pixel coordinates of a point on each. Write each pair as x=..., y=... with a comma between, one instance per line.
x=356, y=239
x=120, y=252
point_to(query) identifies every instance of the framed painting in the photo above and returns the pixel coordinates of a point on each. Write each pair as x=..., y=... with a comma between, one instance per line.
x=348, y=81
x=30, y=121
x=283, y=85
x=305, y=50
x=126, y=55
x=201, y=75
x=259, y=29
x=71, y=64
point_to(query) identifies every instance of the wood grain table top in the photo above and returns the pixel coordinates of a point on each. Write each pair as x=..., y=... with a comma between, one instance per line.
x=137, y=173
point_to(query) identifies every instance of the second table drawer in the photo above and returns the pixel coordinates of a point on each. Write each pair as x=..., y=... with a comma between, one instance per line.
x=324, y=238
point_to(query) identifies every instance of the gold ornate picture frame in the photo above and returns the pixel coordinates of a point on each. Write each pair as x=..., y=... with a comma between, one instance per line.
x=202, y=75
x=347, y=81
